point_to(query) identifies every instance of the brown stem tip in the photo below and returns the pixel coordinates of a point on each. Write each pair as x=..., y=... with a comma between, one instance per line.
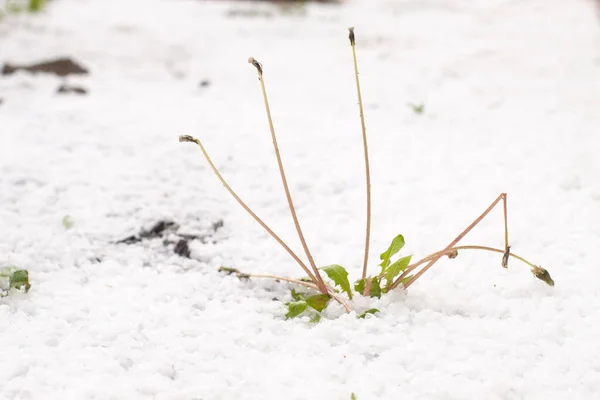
x=542, y=275
x=256, y=64
x=351, y=35
x=187, y=138
x=505, y=257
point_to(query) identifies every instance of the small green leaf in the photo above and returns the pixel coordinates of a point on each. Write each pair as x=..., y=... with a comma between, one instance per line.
x=375, y=288
x=339, y=276
x=315, y=319
x=405, y=280
x=295, y=308
x=68, y=222
x=318, y=301
x=14, y=277
x=369, y=311
x=395, y=269
x=417, y=108
x=20, y=279
x=228, y=270
x=298, y=296
x=35, y=5
x=359, y=286
x=353, y=397
x=395, y=246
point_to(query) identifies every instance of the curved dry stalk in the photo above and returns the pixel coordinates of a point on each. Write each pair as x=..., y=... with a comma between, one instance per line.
x=330, y=290
x=442, y=253
x=366, y=152
x=187, y=138
x=319, y=280
x=477, y=220
x=537, y=271
x=283, y=278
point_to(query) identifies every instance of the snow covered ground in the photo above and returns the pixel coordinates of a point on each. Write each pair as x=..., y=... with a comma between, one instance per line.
x=511, y=95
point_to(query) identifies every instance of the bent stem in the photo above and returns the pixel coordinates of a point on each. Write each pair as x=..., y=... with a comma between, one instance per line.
x=449, y=252
x=435, y=258
x=330, y=291
x=537, y=271
x=366, y=152
x=187, y=138
x=319, y=280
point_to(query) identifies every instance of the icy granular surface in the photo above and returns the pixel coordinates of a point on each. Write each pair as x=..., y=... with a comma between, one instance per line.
x=510, y=95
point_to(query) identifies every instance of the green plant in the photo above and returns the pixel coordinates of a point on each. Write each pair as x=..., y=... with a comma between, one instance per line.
x=417, y=108
x=395, y=271
x=68, y=222
x=12, y=277
x=18, y=6
x=36, y=5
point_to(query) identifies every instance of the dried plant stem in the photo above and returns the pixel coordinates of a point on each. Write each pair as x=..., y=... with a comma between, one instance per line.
x=330, y=291
x=187, y=138
x=506, y=246
x=319, y=280
x=283, y=278
x=438, y=255
x=442, y=253
x=366, y=152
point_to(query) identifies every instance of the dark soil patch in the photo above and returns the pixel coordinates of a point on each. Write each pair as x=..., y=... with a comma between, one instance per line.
x=156, y=231
x=182, y=248
x=165, y=228
x=66, y=89
x=218, y=225
x=60, y=66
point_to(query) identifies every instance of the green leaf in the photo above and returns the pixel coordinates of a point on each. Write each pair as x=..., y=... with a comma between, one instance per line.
x=339, y=276
x=315, y=319
x=417, y=108
x=405, y=280
x=295, y=308
x=353, y=397
x=359, y=286
x=20, y=279
x=228, y=270
x=369, y=311
x=68, y=222
x=395, y=269
x=375, y=288
x=395, y=246
x=318, y=301
x=35, y=5
x=14, y=277
x=298, y=296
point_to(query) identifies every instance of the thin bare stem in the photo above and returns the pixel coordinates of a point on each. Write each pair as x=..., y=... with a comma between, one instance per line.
x=319, y=280
x=187, y=138
x=330, y=291
x=494, y=250
x=283, y=278
x=502, y=196
x=366, y=151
